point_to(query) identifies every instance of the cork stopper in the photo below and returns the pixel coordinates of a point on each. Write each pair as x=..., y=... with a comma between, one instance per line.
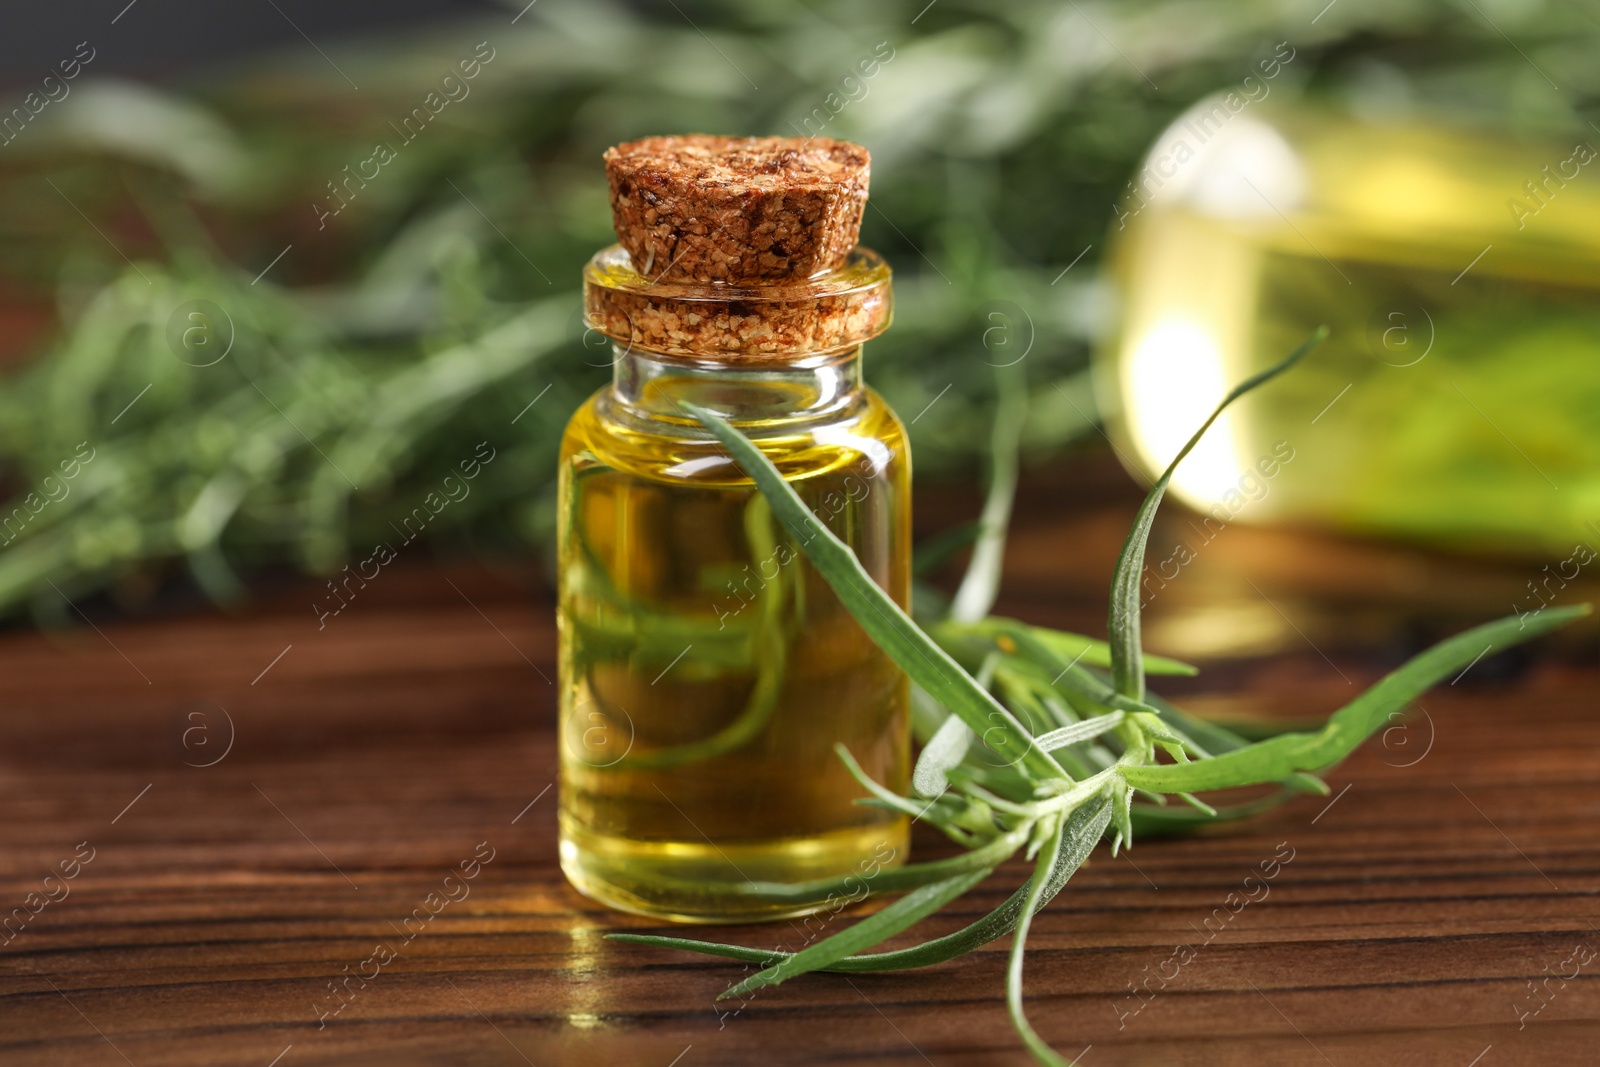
x=743, y=211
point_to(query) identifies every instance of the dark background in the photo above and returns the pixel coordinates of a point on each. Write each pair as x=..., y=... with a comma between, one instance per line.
x=171, y=38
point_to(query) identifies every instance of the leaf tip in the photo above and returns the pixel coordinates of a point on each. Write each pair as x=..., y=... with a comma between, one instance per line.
x=749, y=985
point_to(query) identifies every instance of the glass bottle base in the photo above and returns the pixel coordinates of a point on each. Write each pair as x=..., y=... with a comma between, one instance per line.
x=698, y=881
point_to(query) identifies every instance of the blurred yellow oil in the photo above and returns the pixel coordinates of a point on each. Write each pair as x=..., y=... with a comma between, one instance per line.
x=1457, y=400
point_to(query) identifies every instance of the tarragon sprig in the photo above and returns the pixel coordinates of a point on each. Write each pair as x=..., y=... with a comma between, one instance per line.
x=1040, y=751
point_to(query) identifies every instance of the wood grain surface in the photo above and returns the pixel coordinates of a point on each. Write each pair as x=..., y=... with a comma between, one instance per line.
x=266, y=802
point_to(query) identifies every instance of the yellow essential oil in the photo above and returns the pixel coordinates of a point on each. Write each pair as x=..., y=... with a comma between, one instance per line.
x=1457, y=399
x=707, y=670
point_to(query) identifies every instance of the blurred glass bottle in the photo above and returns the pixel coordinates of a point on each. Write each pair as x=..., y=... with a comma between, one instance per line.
x=1457, y=401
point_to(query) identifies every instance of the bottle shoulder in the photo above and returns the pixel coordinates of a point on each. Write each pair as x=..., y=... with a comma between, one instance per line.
x=672, y=452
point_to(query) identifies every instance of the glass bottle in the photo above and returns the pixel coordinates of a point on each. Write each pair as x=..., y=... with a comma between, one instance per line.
x=1457, y=399
x=707, y=671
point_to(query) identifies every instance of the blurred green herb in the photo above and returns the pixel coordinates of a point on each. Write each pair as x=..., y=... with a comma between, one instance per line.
x=1041, y=755
x=1002, y=136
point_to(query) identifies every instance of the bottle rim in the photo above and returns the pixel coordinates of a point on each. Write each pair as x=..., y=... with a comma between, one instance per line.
x=835, y=310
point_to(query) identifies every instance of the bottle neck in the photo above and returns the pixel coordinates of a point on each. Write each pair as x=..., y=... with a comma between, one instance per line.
x=652, y=387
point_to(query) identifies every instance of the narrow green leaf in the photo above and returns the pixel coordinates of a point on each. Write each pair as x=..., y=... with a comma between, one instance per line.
x=950, y=817
x=1152, y=821
x=908, y=910
x=1082, y=832
x=944, y=750
x=1177, y=744
x=888, y=797
x=1069, y=647
x=1199, y=805
x=1216, y=739
x=1049, y=855
x=1075, y=682
x=891, y=879
x=1122, y=816
x=1077, y=733
x=883, y=620
x=1091, y=652
x=1019, y=691
x=1127, y=668
x=981, y=584
x=1280, y=757
x=1003, y=780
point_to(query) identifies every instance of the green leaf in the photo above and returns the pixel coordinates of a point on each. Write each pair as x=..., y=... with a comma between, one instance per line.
x=891, y=879
x=981, y=584
x=1071, y=680
x=887, y=797
x=1080, y=732
x=1279, y=758
x=877, y=613
x=1082, y=831
x=1068, y=647
x=1152, y=821
x=944, y=750
x=1090, y=652
x=909, y=909
x=1216, y=739
x=1127, y=668
x=1048, y=857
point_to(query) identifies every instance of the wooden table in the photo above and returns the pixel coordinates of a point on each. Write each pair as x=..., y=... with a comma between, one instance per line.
x=230, y=883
